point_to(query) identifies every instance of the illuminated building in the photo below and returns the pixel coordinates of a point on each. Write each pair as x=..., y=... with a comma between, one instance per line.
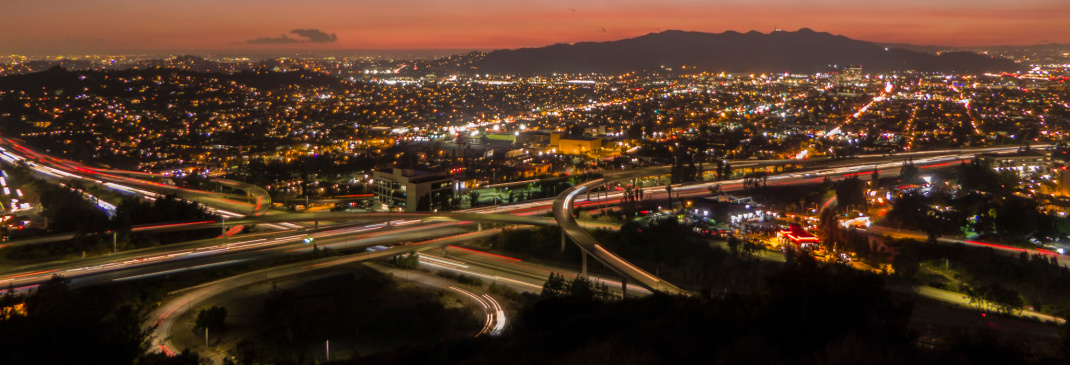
x=402, y=189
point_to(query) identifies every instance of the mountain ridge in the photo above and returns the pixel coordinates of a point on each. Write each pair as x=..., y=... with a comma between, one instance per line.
x=801, y=51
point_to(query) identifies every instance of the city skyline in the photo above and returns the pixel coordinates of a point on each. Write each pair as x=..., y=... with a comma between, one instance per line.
x=65, y=27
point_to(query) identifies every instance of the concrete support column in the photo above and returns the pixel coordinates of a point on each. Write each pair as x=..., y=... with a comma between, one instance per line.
x=563, y=238
x=584, y=259
x=623, y=287
x=316, y=224
x=479, y=226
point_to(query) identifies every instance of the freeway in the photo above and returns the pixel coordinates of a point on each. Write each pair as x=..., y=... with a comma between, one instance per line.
x=563, y=205
x=14, y=153
x=590, y=246
x=522, y=275
x=193, y=254
x=519, y=274
x=844, y=168
x=901, y=156
x=162, y=227
x=160, y=261
x=27, y=275
x=1063, y=260
x=261, y=199
x=181, y=301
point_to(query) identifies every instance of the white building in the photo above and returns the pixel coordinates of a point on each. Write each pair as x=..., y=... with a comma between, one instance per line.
x=402, y=189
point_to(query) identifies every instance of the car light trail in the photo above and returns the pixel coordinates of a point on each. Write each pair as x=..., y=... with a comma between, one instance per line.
x=158, y=273
x=483, y=253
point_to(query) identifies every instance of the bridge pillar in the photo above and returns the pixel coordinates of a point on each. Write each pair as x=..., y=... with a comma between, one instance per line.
x=479, y=226
x=623, y=287
x=584, y=259
x=316, y=224
x=563, y=238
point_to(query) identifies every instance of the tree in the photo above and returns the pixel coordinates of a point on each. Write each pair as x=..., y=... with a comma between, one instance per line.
x=1017, y=217
x=98, y=325
x=635, y=131
x=214, y=318
x=1006, y=300
x=851, y=193
x=473, y=198
x=906, y=266
x=908, y=173
x=581, y=288
x=978, y=176
x=1064, y=338
x=554, y=287
x=829, y=231
x=910, y=211
x=575, y=130
x=994, y=296
x=410, y=261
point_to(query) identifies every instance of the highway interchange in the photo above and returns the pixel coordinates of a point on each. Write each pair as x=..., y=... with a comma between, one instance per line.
x=426, y=232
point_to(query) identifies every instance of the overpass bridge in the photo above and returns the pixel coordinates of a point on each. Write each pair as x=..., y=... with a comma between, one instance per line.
x=589, y=246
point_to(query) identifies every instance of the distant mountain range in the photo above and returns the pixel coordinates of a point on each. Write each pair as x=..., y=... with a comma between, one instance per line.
x=802, y=51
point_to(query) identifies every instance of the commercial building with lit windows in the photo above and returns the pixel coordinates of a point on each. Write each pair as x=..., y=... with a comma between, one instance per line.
x=402, y=189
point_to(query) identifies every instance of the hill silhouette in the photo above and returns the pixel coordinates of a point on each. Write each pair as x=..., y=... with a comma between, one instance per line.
x=802, y=51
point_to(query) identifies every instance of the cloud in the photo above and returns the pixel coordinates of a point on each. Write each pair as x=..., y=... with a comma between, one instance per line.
x=309, y=35
x=315, y=35
x=266, y=40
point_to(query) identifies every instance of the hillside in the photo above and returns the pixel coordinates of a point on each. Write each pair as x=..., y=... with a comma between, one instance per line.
x=802, y=51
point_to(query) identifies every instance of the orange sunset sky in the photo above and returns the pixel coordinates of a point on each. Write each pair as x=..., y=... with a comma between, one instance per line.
x=44, y=27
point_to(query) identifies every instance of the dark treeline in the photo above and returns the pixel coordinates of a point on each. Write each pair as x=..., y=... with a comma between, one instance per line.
x=370, y=309
x=133, y=211
x=269, y=172
x=1040, y=281
x=666, y=247
x=991, y=203
x=94, y=325
x=808, y=314
x=67, y=210
x=834, y=237
x=541, y=242
x=1010, y=218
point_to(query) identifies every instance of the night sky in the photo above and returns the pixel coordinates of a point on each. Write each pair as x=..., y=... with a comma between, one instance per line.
x=79, y=26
